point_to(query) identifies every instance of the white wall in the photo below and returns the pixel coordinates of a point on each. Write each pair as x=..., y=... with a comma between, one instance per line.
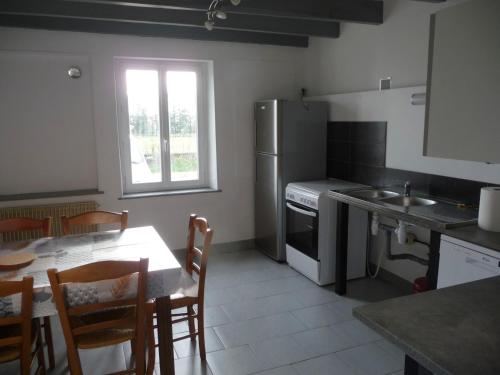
x=365, y=53
x=346, y=72
x=243, y=73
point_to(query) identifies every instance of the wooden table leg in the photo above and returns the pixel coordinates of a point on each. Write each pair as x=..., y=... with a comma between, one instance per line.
x=48, y=340
x=166, y=349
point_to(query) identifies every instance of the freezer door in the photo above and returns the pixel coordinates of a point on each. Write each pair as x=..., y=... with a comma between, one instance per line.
x=266, y=127
x=267, y=224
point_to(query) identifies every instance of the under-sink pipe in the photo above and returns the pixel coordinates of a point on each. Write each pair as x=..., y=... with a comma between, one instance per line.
x=404, y=256
x=373, y=219
x=372, y=231
x=374, y=223
x=402, y=232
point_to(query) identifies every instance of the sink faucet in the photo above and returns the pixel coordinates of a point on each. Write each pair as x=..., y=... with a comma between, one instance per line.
x=407, y=191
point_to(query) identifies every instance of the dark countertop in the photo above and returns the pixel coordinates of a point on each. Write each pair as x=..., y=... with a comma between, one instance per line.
x=449, y=331
x=439, y=217
x=476, y=235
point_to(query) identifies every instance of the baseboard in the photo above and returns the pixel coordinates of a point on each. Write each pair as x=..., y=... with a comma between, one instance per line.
x=229, y=247
x=400, y=283
x=226, y=247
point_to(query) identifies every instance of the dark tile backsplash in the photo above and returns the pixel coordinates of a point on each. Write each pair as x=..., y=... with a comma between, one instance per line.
x=360, y=143
x=357, y=152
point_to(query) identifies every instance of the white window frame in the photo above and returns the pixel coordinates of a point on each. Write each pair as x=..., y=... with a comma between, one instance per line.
x=162, y=66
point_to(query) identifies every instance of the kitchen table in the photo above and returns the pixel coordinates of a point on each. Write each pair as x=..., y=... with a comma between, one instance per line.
x=165, y=275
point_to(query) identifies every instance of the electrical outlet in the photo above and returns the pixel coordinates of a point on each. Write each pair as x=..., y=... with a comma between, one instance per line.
x=385, y=83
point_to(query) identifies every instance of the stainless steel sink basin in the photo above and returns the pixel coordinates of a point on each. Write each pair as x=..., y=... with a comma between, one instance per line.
x=373, y=194
x=409, y=201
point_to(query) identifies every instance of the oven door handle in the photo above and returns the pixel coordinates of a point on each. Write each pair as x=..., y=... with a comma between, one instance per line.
x=300, y=210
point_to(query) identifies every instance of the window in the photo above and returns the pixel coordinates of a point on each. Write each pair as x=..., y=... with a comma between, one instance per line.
x=163, y=123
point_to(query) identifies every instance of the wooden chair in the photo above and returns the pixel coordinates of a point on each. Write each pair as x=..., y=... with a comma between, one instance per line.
x=22, y=224
x=95, y=217
x=20, y=335
x=45, y=227
x=193, y=253
x=104, y=323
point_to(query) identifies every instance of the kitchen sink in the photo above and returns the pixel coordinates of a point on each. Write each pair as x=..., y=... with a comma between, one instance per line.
x=373, y=194
x=409, y=201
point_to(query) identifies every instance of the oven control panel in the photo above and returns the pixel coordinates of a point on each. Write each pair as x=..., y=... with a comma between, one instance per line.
x=302, y=197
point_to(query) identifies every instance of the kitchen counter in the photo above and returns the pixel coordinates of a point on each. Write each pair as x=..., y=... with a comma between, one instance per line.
x=476, y=235
x=447, y=331
x=443, y=217
x=440, y=216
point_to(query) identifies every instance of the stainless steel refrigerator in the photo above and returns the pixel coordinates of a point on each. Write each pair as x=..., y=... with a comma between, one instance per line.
x=290, y=145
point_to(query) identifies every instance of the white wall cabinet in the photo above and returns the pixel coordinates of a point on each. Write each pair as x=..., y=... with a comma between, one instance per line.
x=463, y=114
x=462, y=262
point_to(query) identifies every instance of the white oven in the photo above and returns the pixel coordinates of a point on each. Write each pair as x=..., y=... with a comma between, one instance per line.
x=310, y=227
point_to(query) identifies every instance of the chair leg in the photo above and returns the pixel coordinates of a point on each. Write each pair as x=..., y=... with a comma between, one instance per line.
x=75, y=367
x=132, y=348
x=150, y=331
x=192, y=328
x=140, y=357
x=201, y=332
x=47, y=330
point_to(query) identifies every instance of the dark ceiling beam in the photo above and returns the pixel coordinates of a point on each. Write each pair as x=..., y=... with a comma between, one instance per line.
x=358, y=11
x=174, y=17
x=148, y=29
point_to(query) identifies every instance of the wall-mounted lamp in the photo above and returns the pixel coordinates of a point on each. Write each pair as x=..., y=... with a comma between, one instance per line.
x=74, y=72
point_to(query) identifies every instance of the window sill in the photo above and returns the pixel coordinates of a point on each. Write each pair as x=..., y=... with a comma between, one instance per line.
x=55, y=194
x=168, y=193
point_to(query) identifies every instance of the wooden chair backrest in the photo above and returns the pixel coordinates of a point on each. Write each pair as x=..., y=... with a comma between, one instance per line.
x=198, y=225
x=99, y=271
x=95, y=217
x=25, y=287
x=24, y=224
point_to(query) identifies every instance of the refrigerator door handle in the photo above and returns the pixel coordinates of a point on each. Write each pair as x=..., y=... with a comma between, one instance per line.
x=300, y=210
x=256, y=173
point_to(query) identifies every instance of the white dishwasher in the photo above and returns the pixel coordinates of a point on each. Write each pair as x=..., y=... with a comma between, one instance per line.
x=462, y=262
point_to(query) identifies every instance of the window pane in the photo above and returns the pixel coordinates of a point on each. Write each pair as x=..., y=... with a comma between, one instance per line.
x=144, y=125
x=183, y=125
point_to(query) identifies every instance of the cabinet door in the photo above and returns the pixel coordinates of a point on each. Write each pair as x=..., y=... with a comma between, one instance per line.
x=462, y=120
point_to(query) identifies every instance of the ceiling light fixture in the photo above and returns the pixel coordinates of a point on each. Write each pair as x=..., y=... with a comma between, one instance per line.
x=221, y=15
x=214, y=11
x=209, y=24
